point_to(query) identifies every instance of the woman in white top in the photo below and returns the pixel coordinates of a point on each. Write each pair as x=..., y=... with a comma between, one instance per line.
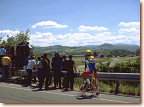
x=31, y=65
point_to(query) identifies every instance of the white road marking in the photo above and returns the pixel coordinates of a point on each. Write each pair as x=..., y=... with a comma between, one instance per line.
x=64, y=94
x=113, y=100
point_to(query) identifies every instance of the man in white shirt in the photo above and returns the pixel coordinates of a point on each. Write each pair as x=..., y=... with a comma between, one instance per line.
x=31, y=65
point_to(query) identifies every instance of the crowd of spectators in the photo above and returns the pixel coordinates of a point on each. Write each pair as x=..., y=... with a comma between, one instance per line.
x=20, y=58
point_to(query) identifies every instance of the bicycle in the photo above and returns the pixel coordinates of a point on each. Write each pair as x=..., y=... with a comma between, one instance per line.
x=88, y=85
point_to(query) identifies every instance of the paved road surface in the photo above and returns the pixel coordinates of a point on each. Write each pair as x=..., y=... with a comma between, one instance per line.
x=14, y=93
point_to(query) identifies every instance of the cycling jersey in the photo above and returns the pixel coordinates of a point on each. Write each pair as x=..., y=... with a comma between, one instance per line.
x=90, y=62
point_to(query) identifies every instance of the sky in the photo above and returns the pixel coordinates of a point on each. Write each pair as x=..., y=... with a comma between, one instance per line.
x=72, y=22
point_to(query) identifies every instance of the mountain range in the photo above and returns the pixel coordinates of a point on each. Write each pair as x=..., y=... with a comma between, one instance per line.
x=80, y=49
x=106, y=46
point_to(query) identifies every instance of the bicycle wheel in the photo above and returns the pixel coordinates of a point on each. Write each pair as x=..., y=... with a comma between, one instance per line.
x=82, y=86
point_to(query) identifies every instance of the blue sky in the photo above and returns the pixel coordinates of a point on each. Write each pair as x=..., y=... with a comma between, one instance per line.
x=72, y=22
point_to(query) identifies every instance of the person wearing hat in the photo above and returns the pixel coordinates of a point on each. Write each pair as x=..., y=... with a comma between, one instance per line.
x=90, y=64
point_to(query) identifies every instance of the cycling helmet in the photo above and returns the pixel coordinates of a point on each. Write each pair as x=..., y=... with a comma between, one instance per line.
x=88, y=52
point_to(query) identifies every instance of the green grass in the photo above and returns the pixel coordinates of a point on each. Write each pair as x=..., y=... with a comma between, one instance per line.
x=124, y=87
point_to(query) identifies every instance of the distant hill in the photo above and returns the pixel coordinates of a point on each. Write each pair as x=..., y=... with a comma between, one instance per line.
x=79, y=50
x=106, y=46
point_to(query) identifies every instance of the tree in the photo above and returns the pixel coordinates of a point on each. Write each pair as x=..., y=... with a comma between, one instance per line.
x=22, y=37
x=11, y=41
x=4, y=43
x=15, y=40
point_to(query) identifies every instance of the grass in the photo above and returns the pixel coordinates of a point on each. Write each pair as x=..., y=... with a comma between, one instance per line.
x=124, y=88
x=129, y=89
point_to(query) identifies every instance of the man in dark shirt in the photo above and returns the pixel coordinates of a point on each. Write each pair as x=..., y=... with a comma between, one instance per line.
x=45, y=73
x=64, y=69
x=70, y=73
x=56, y=67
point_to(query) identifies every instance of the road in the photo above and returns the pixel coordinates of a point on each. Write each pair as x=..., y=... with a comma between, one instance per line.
x=15, y=93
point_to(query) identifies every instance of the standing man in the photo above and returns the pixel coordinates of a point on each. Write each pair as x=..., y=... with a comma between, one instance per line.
x=56, y=67
x=64, y=68
x=70, y=73
x=45, y=72
x=6, y=62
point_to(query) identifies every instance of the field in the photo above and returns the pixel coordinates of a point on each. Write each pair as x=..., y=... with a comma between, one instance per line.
x=79, y=60
x=125, y=87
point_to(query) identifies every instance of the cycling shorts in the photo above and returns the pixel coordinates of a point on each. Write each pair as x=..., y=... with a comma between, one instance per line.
x=86, y=73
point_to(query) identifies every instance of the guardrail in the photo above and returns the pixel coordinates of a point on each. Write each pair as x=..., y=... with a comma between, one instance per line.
x=102, y=75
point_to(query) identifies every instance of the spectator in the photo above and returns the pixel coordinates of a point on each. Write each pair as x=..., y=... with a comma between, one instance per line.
x=12, y=56
x=70, y=73
x=56, y=67
x=20, y=55
x=27, y=49
x=39, y=68
x=64, y=68
x=31, y=65
x=27, y=60
x=6, y=62
x=2, y=54
x=45, y=73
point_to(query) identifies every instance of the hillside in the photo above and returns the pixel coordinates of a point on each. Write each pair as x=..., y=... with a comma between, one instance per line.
x=79, y=50
x=106, y=46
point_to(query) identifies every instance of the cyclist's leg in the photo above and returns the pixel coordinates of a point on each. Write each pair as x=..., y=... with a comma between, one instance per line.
x=94, y=79
x=95, y=83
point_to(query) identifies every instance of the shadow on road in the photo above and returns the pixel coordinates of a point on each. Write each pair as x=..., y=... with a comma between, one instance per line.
x=82, y=97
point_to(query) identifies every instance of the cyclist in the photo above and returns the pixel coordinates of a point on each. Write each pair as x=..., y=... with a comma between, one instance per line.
x=91, y=65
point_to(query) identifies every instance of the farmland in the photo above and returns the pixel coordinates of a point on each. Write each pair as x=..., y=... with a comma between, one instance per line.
x=120, y=64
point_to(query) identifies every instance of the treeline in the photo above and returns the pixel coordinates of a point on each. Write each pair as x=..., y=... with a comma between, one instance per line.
x=81, y=51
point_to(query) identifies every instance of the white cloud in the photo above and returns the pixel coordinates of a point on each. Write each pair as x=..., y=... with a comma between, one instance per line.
x=49, y=24
x=4, y=33
x=130, y=30
x=80, y=39
x=130, y=24
x=92, y=28
x=9, y=32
